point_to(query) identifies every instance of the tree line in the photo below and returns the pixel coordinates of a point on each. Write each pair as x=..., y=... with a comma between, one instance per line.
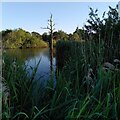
x=19, y=38
x=106, y=28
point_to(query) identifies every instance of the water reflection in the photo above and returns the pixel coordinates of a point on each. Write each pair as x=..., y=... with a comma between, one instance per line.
x=31, y=57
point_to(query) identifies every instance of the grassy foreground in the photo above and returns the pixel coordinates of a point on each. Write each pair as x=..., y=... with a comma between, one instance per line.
x=93, y=77
x=87, y=88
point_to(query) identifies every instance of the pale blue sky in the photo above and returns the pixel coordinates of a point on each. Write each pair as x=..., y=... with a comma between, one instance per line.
x=31, y=16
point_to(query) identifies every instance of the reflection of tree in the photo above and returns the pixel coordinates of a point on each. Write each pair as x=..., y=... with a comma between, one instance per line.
x=26, y=54
x=47, y=53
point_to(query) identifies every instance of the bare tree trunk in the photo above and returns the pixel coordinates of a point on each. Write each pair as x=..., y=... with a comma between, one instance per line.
x=51, y=28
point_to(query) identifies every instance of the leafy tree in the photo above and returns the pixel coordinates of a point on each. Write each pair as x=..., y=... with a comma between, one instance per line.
x=5, y=32
x=20, y=38
x=76, y=37
x=45, y=37
x=106, y=30
x=37, y=35
x=83, y=35
x=60, y=35
x=70, y=36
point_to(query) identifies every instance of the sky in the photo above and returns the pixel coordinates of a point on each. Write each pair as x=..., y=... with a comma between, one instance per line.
x=31, y=16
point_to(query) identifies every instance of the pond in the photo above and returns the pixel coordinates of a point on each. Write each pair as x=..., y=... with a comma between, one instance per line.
x=31, y=58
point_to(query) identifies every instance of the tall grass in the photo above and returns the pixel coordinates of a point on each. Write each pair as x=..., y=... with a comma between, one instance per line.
x=94, y=81
x=87, y=86
x=21, y=101
x=27, y=99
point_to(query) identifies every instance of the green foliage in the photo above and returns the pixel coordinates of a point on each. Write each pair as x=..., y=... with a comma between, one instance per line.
x=22, y=39
x=16, y=80
x=20, y=102
x=79, y=33
x=93, y=83
x=92, y=74
x=45, y=37
x=60, y=35
x=106, y=29
x=76, y=37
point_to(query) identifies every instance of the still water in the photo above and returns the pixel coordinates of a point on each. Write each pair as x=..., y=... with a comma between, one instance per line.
x=31, y=58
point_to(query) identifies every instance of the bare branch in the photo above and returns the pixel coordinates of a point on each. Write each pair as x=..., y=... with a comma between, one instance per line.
x=45, y=28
